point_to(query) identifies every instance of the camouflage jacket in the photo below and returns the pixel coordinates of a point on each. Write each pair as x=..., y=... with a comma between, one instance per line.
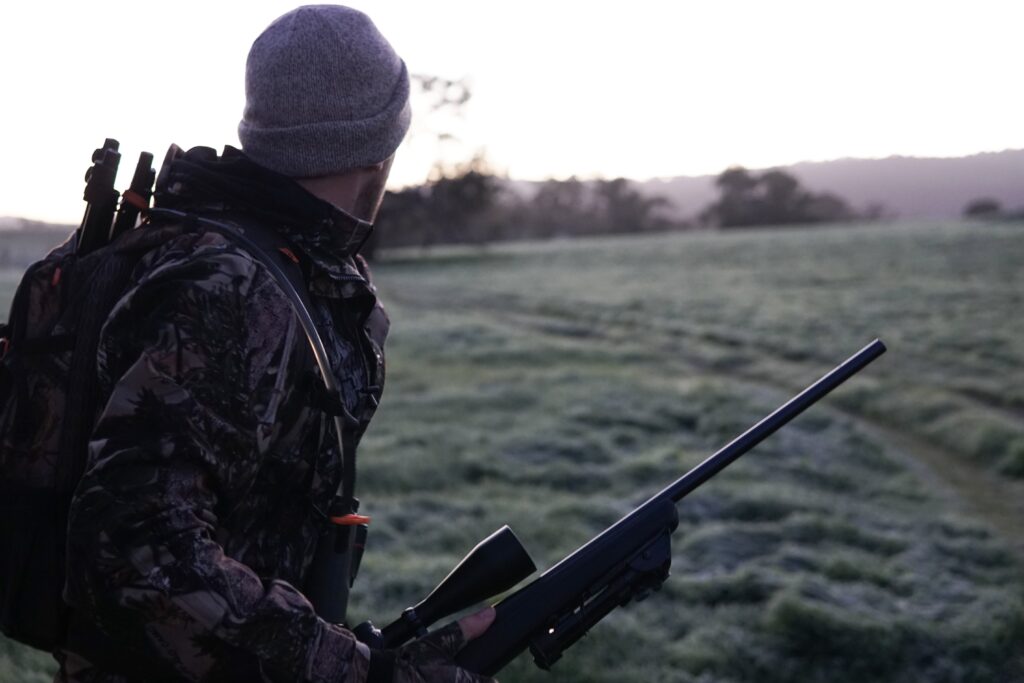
x=196, y=520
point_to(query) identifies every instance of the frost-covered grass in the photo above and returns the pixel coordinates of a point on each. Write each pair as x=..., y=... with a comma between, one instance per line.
x=22, y=665
x=553, y=386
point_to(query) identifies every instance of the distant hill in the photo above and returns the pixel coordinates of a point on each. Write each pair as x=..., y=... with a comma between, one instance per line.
x=11, y=223
x=23, y=241
x=909, y=187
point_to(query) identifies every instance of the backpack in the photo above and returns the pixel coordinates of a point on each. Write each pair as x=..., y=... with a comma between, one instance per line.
x=49, y=402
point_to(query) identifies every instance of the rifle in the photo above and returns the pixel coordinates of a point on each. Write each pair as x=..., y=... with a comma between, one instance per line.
x=627, y=561
x=99, y=225
x=100, y=197
x=136, y=198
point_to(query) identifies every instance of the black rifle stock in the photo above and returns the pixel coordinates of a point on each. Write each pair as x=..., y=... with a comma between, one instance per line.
x=623, y=563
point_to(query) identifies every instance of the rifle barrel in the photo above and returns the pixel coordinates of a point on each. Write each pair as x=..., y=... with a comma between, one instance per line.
x=769, y=425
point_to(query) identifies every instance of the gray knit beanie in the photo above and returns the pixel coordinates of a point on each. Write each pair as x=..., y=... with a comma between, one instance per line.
x=324, y=93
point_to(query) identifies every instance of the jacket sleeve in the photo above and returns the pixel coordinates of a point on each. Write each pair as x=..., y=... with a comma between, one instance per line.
x=194, y=357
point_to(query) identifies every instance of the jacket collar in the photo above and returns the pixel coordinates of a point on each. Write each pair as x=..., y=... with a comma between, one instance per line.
x=328, y=237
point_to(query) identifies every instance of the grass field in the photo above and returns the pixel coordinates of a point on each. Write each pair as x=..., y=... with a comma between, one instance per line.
x=880, y=537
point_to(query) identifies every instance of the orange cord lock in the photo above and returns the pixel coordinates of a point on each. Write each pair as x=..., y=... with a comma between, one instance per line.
x=56, y=277
x=350, y=520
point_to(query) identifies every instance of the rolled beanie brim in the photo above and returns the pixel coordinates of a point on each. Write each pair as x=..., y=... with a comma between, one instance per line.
x=328, y=147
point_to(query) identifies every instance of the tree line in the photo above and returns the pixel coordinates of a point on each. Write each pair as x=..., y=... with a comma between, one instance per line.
x=471, y=205
x=989, y=209
x=775, y=197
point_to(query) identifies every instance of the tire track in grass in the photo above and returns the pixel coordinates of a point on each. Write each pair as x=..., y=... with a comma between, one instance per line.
x=992, y=498
x=1008, y=412
x=982, y=494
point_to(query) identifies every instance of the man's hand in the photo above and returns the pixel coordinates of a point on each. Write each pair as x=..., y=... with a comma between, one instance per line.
x=430, y=659
x=474, y=625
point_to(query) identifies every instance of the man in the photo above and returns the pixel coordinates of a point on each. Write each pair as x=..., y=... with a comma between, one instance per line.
x=193, y=528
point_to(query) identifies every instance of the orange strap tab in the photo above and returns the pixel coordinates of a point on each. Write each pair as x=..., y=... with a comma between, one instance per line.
x=289, y=253
x=350, y=520
x=135, y=199
x=56, y=277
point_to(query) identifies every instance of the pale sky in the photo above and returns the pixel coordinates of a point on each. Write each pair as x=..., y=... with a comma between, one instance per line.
x=637, y=89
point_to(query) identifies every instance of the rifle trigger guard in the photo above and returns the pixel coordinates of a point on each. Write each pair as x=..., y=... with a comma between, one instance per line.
x=652, y=568
x=656, y=556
